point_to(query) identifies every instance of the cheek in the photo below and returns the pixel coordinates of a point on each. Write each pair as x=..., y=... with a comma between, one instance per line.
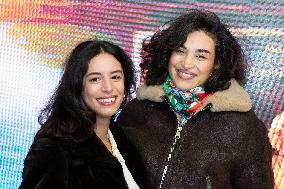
x=88, y=92
x=85, y=97
x=171, y=65
x=174, y=61
x=120, y=88
x=206, y=68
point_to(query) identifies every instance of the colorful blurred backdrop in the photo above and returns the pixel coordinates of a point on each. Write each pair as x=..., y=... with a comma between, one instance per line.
x=37, y=35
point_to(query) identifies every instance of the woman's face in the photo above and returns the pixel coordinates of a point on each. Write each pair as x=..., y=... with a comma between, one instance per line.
x=103, y=85
x=191, y=64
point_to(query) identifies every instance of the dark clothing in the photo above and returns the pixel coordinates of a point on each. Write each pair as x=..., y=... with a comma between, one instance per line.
x=215, y=149
x=58, y=163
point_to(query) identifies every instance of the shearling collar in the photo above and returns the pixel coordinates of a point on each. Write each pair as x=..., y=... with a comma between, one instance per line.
x=235, y=98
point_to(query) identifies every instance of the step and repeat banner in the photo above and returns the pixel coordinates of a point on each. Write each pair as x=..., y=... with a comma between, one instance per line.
x=37, y=35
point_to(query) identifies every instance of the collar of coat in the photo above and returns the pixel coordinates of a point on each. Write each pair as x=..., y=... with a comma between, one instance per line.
x=235, y=98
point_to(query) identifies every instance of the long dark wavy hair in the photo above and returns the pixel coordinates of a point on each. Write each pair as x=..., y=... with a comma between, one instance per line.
x=66, y=114
x=229, y=57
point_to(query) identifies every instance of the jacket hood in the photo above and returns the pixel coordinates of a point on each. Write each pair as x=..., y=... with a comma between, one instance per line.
x=235, y=98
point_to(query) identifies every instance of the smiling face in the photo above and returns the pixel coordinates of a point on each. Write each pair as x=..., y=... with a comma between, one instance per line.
x=191, y=64
x=103, y=85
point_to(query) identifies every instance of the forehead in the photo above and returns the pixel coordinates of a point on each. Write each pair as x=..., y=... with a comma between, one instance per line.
x=199, y=40
x=104, y=62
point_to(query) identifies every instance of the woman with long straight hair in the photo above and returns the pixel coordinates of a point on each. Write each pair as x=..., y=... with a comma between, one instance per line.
x=79, y=145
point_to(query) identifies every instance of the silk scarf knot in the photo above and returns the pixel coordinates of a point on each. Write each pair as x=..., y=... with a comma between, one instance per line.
x=183, y=102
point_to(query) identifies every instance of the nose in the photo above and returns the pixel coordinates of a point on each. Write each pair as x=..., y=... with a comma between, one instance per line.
x=107, y=85
x=188, y=62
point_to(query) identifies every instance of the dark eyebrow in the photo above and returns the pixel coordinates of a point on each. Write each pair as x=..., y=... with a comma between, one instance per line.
x=203, y=51
x=98, y=73
x=181, y=46
x=93, y=73
x=117, y=71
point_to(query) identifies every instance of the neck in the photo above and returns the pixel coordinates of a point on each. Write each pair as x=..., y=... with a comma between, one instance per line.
x=101, y=130
x=101, y=127
x=186, y=102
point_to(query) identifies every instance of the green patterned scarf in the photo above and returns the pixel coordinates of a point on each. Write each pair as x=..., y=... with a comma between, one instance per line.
x=183, y=102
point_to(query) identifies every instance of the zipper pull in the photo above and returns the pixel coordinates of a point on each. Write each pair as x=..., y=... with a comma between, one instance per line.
x=177, y=135
x=208, y=181
x=181, y=123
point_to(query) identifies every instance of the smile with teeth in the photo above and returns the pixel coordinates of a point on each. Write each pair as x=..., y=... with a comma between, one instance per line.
x=106, y=101
x=185, y=74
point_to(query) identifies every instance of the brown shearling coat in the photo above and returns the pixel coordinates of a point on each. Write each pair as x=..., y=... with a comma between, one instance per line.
x=224, y=145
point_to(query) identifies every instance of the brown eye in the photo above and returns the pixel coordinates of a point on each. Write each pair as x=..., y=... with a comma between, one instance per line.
x=95, y=79
x=116, y=77
x=201, y=57
x=179, y=51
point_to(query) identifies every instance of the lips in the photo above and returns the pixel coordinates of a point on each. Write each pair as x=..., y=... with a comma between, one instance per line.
x=184, y=74
x=106, y=101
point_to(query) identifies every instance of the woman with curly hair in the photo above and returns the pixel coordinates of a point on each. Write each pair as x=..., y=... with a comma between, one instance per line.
x=79, y=146
x=192, y=122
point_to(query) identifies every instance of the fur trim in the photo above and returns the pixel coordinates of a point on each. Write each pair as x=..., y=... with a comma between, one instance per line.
x=154, y=93
x=235, y=98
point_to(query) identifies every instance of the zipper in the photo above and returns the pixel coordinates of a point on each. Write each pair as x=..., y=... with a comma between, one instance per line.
x=208, y=182
x=181, y=122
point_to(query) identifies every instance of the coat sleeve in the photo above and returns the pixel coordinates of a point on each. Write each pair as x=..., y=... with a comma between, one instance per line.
x=256, y=166
x=44, y=166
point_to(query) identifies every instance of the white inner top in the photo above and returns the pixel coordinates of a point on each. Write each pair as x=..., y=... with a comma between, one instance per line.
x=127, y=175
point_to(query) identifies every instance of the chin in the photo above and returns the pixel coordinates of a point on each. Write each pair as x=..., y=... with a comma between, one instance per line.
x=185, y=88
x=106, y=115
x=183, y=85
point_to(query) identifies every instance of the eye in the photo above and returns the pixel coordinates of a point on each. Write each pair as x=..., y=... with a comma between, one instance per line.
x=201, y=57
x=95, y=79
x=116, y=77
x=179, y=51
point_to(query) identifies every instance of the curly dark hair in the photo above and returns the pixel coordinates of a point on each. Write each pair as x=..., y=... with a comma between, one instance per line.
x=229, y=57
x=66, y=114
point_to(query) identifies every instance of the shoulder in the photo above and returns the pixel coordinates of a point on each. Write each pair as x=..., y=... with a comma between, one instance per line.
x=239, y=132
x=241, y=126
x=237, y=125
x=56, y=153
x=45, y=151
x=235, y=98
x=248, y=121
x=45, y=159
x=58, y=150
